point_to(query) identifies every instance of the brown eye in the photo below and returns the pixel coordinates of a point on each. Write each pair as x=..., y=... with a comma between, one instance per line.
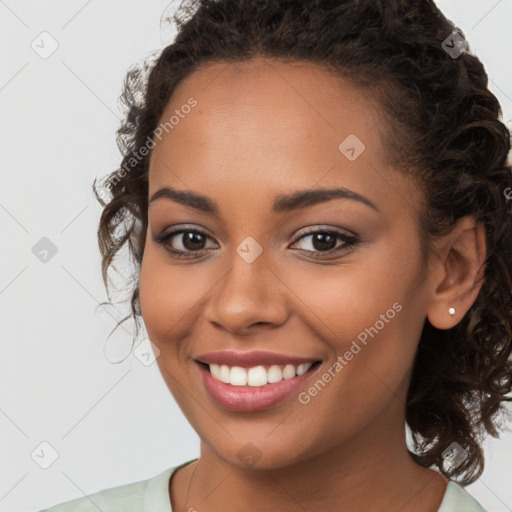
x=192, y=241
x=323, y=241
x=326, y=242
x=183, y=241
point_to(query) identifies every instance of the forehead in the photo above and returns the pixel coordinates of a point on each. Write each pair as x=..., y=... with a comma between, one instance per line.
x=265, y=122
x=269, y=96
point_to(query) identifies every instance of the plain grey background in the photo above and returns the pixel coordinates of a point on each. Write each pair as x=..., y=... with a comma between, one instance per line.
x=107, y=423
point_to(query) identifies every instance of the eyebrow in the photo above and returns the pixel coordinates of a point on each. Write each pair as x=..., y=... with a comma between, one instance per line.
x=282, y=203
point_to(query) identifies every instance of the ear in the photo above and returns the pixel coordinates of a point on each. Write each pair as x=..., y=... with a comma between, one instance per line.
x=458, y=275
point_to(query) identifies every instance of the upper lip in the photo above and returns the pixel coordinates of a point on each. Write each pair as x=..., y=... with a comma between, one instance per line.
x=250, y=359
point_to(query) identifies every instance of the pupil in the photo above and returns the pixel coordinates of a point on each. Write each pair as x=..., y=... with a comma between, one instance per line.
x=325, y=242
x=192, y=241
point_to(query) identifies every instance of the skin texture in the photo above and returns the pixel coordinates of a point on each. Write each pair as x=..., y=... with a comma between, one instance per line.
x=260, y=130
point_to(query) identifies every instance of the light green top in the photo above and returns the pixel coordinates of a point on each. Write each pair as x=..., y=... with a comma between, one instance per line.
x=152, y=495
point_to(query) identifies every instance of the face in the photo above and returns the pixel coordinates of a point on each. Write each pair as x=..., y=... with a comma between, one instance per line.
x=337, y=279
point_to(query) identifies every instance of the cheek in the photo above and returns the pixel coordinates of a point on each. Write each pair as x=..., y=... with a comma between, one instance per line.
x=370, y=313
x=345, y=303
x=170, y=296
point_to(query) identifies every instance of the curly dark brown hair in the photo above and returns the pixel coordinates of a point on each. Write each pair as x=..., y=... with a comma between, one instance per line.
x=443, y=125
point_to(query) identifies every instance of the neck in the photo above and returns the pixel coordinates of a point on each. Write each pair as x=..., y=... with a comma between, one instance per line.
x=371, y=471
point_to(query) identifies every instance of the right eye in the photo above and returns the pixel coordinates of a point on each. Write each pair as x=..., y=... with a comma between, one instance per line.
x=190, y=243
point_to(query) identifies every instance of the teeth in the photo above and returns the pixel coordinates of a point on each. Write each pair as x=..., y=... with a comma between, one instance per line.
x=257, y=375
x=238, y=376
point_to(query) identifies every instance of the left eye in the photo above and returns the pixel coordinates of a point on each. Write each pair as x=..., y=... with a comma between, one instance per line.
x=323, y=241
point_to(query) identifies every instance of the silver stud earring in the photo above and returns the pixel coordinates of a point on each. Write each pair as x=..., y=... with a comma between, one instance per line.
x=451, y=311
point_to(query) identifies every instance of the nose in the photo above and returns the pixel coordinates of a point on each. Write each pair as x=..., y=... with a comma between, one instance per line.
x=250, y=296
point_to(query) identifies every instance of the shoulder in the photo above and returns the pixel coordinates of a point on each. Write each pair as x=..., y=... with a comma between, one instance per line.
x=143, y=495
x=457, y=499
x=124, y=497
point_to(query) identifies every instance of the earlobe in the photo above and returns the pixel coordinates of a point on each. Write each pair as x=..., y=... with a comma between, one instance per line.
x=459, y=273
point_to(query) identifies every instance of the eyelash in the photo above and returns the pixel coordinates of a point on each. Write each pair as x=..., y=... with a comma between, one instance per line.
x=349, y=242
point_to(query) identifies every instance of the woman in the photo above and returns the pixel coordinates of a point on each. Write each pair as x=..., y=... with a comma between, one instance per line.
x=314, y=194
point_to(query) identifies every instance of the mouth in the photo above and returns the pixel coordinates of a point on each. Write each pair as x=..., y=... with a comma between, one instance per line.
x=249, y=389
x=258, y=375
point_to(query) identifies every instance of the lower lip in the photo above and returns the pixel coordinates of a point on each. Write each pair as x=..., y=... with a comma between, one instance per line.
x=251, y=398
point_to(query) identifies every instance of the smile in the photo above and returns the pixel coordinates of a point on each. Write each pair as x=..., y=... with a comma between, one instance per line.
x=260, y=375
x=255, y=388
